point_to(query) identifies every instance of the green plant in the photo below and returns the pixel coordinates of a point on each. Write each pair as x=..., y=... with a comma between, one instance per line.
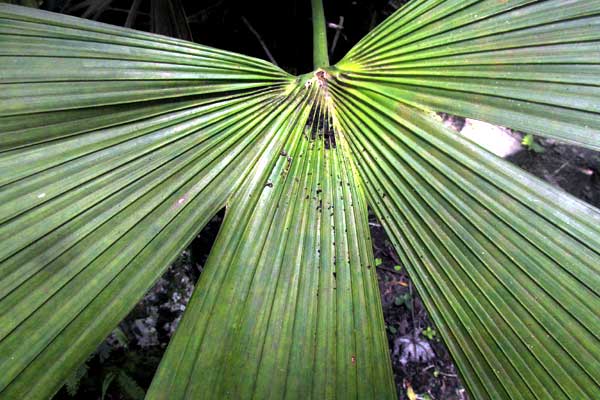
x=404, y=299
x=531, y=145
x=117, y=146
x=106, y=366
x=429, y=333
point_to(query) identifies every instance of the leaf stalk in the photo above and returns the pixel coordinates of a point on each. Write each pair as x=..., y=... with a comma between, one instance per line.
x=320, y=55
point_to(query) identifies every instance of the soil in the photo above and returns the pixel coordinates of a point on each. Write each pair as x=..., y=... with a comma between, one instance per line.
x=574, y=169
x=408, y=325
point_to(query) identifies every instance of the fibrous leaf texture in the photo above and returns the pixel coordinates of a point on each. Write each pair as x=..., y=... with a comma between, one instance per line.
x=117, y=146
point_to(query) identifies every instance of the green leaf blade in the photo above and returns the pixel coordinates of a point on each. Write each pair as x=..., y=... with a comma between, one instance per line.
x=531, y=66
x=110, y=195
x=506, y=264
x=288, y=305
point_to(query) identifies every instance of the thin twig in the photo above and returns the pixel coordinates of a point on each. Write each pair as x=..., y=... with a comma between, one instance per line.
x=373, y=20
x=560, y=169
x=262, y=43
x=126, y=11
x=66, y=6
x=428, y=367
x=338, y=30
x=392, y=253
x=449, y=375
x=194, y=18
x=132, y=14
x=412, y=310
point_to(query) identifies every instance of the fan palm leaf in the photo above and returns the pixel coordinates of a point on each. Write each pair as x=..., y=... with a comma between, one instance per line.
x=117, y=146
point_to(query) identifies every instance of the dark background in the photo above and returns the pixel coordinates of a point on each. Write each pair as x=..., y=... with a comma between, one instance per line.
x=284, y=26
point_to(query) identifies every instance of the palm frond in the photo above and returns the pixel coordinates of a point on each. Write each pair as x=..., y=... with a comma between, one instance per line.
x=507, y=265
x=117, y=146
x=109, y=195
x=529, y=65
x=288, y=304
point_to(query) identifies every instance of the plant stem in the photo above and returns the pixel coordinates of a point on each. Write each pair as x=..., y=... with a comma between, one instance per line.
x=262, y=42
x=320, y=56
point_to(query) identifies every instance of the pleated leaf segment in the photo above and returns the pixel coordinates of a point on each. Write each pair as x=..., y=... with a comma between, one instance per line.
x=117, y=146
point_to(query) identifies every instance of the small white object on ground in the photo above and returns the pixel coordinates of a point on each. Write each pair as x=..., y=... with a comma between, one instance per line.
x=412, y=348
x=495, y=139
